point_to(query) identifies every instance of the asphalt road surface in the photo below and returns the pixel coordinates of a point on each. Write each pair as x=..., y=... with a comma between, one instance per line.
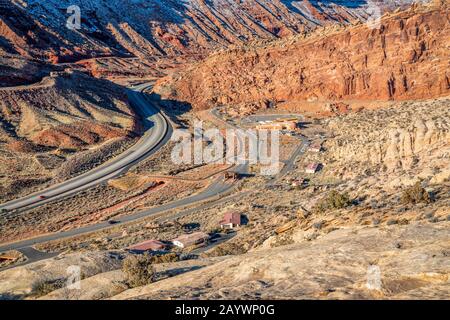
x=217, y=189
x=157, y=134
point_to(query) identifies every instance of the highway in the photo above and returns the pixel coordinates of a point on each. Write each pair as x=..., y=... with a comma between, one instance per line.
x=216, y=189
x=215, y=193
x=158, y=133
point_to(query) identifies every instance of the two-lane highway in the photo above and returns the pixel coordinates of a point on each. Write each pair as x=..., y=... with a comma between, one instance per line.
x=218, y=188
x=158, y=133
x=215, y=194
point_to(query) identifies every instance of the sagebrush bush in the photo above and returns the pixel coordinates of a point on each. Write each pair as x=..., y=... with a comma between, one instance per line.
x=333, y=200
x=138, y=270
x=165, y=258
x=43, y=287
x=227, y=249
x=415, y=194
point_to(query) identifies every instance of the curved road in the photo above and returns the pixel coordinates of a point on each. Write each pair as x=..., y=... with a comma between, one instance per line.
x=158, y=133
x=218, y=188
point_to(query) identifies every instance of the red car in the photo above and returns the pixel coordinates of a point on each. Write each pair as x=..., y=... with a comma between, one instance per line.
x=41, y=197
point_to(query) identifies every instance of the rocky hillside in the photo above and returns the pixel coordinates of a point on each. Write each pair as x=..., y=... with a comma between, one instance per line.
x=24, y=34
x=143, y=28
x=406, y=57
x=330, y=268
x=43, y=124
x=395, y=144
x=15, y=70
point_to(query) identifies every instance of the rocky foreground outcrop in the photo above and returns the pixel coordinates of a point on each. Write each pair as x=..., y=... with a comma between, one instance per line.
x=370, y=265
x=404, y=57
x=396, y=262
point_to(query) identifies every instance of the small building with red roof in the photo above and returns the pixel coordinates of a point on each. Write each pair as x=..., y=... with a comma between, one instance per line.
x=188, y=240
x=231, y=219
x=312, y=167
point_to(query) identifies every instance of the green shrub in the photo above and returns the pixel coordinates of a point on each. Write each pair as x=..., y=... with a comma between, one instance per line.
x=333, y=200
x=138, y=270
x=415, y=194
x=43, y=287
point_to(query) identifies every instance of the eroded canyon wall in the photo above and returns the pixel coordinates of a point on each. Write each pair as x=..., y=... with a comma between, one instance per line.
x=406, y=57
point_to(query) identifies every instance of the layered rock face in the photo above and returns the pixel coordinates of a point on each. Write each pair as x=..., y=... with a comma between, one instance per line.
x=15, y=71
x=403, y=143
x=67, y=110
x=161, y=27
x=26, y=35
x=405, y=57
x=66, y=120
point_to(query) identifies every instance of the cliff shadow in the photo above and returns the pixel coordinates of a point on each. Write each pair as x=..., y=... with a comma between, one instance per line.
x=172, y=108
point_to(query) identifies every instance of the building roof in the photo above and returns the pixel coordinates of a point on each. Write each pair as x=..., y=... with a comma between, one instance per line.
x=148, y=245
x=190, y=239
x=312, y=166
x=316, y=146
x=232, y=217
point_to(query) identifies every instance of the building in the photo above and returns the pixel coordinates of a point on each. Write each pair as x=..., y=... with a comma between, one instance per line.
x=149, y=245
x=298, y=182
x=312, y=167
x=316, y=147
x=231, y=220
x=290, y=125
x=187, y=240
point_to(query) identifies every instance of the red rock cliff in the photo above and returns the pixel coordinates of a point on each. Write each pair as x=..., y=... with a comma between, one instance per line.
x=405, y=58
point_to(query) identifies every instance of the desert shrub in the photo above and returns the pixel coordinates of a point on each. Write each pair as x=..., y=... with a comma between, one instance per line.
x=392, y=222
x=318, y=225
x=165, y=258
x=138, y=270
x=283, y=240
x=43, y=287
x=415, y=194
x=227, y=249
x=333, y=200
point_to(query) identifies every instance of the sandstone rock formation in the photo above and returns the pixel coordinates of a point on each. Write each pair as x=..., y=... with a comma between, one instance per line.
x=329, y=268
x=411, y=138
x=55, y=104
x=405, y=58
x=147, y=28
x=43, y=124
x=15, y=70
x=26, y=35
